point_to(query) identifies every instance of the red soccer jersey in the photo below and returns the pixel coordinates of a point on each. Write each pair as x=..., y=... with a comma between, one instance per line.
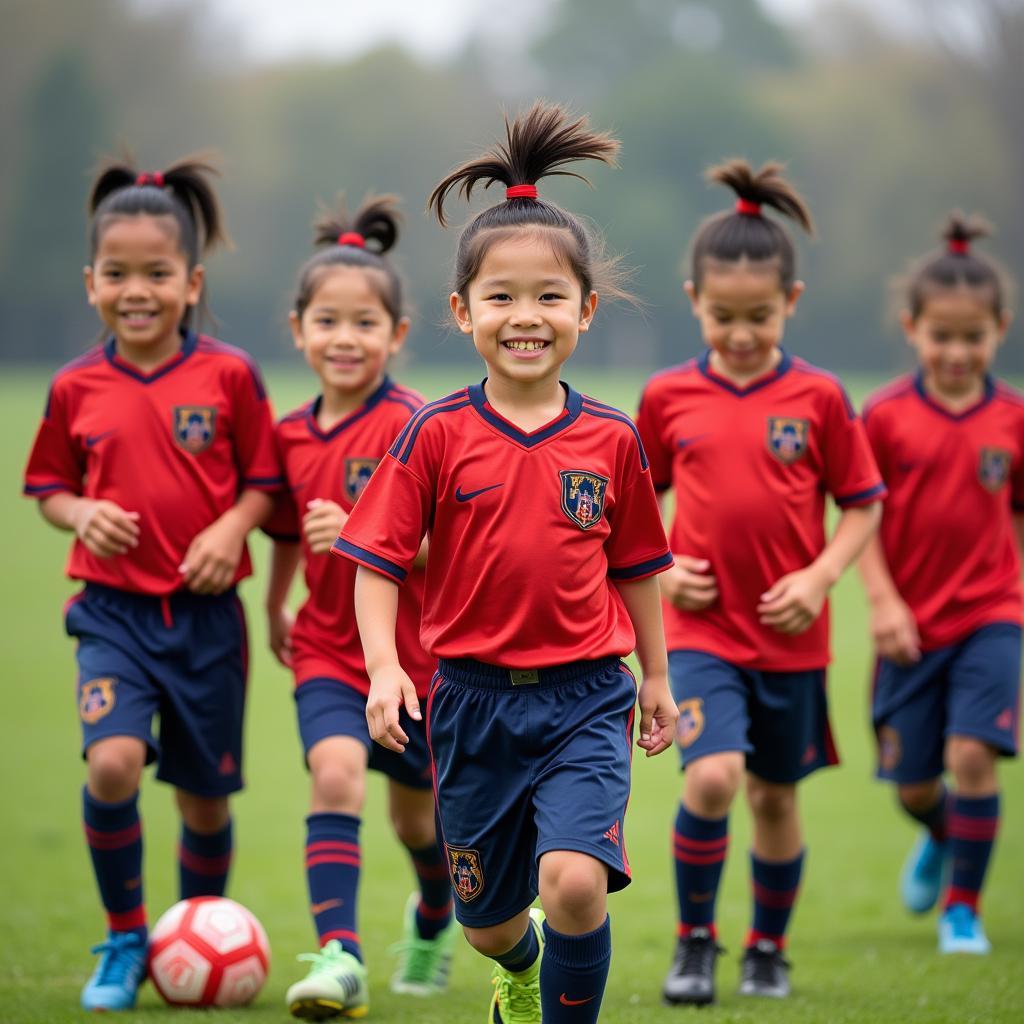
x=527, y=531
x=336, y=465
x=176, y=445
x=955, y=481
x=750, y=468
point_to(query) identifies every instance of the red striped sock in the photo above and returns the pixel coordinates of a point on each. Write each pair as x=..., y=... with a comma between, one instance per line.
x=332, y=873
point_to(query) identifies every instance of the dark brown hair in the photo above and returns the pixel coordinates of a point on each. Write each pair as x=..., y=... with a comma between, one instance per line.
x=730, y=236
x=538, y=144
x=957, y=264
x=375, y=222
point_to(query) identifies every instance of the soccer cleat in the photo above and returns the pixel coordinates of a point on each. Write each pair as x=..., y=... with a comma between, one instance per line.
x=691, y=978
x=118, y=975
x=516, y=998
x=921, y=878
x=764, y=971
x=960, y=931
x=336, y=986
x=423, y=964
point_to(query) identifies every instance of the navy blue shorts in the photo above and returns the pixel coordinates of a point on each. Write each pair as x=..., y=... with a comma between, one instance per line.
x=184, y=658
x=330, y=707
x=779, y=720
x=971, y=688
x=527, y=767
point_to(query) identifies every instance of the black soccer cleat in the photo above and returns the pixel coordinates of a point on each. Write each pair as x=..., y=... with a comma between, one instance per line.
x=764, y=971
x=691, y=978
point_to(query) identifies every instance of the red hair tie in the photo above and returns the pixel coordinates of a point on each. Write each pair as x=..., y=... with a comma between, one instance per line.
x=352, y=238
x=521, y=192
x=748, y=208
x=959, y=246
x=154, y=178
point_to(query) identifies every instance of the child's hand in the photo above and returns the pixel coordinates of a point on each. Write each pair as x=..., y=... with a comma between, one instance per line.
x=322, y=523
x=688, y=584
x=794, y=602
x=658, y=714
x=894, y=631
x=280, y=622
x=213, y=556
x=104, y=527
x=390, y=688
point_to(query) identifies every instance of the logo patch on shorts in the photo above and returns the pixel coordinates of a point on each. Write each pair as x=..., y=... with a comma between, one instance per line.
x=357, y=476
x=583, y=495
x=96, y=699
x=993, y=468
x=787, y=438
x=890, y=748
x=467, y=874
x=691, y=721
x=195, y=427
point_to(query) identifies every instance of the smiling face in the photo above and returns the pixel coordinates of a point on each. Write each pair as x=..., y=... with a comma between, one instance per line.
x=525, y=310
x=742, y=311
x=346, y=333
x=141, y=286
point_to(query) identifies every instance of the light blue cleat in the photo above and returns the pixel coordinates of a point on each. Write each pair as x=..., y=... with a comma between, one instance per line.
x=960, y=931
x=118, y=975
x=922, y=876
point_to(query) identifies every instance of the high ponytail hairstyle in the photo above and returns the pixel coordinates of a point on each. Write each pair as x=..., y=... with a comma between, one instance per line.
x=538, y=144
x=957, y=264
x=744, y=232
x=360, y=240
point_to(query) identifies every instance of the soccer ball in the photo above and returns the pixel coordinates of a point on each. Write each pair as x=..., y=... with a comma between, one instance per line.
x=208, y=951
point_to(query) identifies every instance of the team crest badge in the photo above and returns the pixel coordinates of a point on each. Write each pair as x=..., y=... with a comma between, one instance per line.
x=890, y=748
x=787, y=438
x=194, y=427
x=96, y=699
x=583, y=496
x=467, y=874
x=691, y=721
x=993, y=468
x=357, y=476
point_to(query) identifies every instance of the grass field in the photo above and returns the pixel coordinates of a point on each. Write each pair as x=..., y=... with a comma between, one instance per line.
x=858, y=956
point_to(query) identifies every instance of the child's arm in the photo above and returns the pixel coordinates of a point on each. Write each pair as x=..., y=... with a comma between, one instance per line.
x=102, y=526
x=658, y=711
x=793, y=602
x=284, y=561
x=376, y=600
x=322, y=523
x=688, y=585
x=211, y=560
x=893, y=627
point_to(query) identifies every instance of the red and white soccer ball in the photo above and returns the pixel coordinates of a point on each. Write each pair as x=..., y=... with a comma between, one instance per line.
x=208, y=951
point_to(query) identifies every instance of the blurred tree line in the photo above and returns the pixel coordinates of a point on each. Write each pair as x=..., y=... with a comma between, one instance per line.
x=885, y=130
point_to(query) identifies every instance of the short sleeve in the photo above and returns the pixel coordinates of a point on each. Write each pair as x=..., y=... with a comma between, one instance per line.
x=851, y=472
x=256, y=456
x=55, y=463
x=659, y=455
x=283, y=523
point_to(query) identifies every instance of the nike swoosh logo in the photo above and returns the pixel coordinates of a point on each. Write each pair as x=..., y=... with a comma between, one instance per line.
x=573, y=1002
x=91, y=440
x=469, y=495
x=685, y=442
x=319, y=908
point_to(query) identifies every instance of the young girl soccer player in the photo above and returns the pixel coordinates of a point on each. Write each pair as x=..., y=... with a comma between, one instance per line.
x=156, y=449
x=544, y=535
x=943, y=578
x=347, y=322
x=750, y=439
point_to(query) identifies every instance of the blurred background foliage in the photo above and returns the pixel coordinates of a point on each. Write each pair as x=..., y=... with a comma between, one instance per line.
x=886, y=124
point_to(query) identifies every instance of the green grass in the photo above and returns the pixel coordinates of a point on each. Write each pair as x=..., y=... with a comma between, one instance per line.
x=858, y=956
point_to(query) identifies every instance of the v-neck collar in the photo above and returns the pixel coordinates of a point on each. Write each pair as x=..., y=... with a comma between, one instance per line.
x=988, y=391
x=346, y=421
x=704, y=364
x=565, y=419
x=189, y=340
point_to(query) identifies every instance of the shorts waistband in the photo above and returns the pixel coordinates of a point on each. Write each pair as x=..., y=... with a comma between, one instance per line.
x=470, y=672
x=177, y=599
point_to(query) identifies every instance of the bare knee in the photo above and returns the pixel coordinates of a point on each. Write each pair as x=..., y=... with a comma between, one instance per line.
x=573, y=891
x=338, y=769
x=919, y=796
x=203, y=814
x=973, y=764
x=771, y=802
x=499, y=938
x=412, y=815
x=711, y=784
x=115, y=767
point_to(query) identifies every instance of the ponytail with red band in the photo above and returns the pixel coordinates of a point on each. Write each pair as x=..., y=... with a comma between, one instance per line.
x=352, y=238
x=748, y=208
x=154, y=178
x=521, y=192
x=959, y=246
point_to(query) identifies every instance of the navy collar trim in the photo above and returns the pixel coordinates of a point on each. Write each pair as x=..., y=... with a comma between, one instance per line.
x=568, y=416
x=704, y=364
x=987, y=395
x=189, y=341
x=346, y=421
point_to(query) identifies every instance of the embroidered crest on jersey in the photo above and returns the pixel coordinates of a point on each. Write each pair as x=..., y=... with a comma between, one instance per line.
x=194, y=427
x=583, y=495
x=787, y=438
x=691, y=721
x=993, y=468
x=357, y=476
x=96, y=699
x=466, y=871
x=890, y=748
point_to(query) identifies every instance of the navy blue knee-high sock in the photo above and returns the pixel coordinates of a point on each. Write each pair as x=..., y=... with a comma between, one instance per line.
x=933, y=818
x=434, y=910
x=973, y=823
x=573, y=973
x=775, y=888
x=332, y=871
x=204, y=860
x=699, y=849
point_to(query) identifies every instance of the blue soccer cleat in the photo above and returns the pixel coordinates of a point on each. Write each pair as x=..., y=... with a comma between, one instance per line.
x=921, y=879
x=960, y=931
x=118, y=975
